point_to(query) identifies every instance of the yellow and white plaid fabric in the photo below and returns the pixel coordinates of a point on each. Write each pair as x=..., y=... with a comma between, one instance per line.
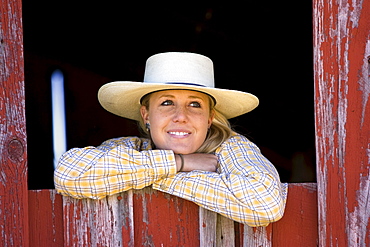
x=245, y=188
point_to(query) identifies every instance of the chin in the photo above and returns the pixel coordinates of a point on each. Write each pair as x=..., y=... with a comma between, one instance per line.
x=182, y=150
x=178, y=148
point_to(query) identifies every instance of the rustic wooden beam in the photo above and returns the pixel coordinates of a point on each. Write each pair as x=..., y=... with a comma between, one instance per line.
x=13, y=157
x=298, y=227
x=207, y=227
x=164, y=220
x=106, y=222
x=151, y=218
x=46, y=218
x=342, y=89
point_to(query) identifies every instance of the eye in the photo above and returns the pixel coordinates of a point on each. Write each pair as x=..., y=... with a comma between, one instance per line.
x=195, y=104
x=167, y=102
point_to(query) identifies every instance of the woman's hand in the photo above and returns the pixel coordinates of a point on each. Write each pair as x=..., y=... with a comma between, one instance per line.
x=197, y=161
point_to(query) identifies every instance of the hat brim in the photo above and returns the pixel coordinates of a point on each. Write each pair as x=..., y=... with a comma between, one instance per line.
x=123, y=98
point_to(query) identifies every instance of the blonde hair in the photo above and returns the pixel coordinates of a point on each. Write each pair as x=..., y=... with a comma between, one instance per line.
x=219, y=131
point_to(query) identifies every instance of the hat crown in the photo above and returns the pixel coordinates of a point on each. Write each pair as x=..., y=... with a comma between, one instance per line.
x=180, y=68
x=174, y=71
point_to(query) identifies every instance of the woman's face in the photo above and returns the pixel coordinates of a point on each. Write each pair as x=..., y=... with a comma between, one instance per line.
x=179, y=119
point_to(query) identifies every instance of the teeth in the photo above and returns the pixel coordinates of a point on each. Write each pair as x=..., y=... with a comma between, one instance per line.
x=179, y=133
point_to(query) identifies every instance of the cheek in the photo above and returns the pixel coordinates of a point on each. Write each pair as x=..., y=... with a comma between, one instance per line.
x=157, y=117
x=156, y=113
x=158, y=124
x=206, y=120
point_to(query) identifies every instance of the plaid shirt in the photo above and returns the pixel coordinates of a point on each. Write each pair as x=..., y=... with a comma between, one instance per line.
x=245, y=188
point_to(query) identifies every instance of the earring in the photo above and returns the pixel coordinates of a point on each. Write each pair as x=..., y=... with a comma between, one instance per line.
x=147, y=126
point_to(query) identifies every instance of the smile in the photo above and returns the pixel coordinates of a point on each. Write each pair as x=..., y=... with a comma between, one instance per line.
x=179, y=133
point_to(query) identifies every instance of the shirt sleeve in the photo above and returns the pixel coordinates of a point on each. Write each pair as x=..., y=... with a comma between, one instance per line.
x=115, y=166
x=246, y=188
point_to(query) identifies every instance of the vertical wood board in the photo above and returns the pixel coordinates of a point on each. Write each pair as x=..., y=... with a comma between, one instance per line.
x=207, y=227
x=151, y=218
x=342, y=89
x=298, y=227
x=105, y=222
x=45, y=218
x=225, y=232
x=13, y=148
x=299, y=224
x=164, y=220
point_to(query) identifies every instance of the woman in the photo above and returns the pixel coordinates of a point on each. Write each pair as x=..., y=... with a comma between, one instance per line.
x=190, y=150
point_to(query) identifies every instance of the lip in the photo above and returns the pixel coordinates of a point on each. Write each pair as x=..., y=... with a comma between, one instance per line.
x=179, y=133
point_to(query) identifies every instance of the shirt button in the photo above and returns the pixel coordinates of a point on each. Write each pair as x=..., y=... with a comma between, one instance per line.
x=163, y=187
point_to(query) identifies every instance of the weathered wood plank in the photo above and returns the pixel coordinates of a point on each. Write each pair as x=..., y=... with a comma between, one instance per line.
x=215, y=229
x=45, y=218
x=164, y=220
x=13, y=164
x=207, y=227
x=297, y=227
x=341, y=65
x=257, y=236
x=299, y=224
x=225, y=232
x=152, y=218
x=105, y=222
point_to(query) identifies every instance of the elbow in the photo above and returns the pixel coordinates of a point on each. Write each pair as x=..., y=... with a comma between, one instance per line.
x=263, y=220
x=270, y=207
x=73, y=188
x=275, y=214
x=62, y=188
x=265, y=216
x=77, y=194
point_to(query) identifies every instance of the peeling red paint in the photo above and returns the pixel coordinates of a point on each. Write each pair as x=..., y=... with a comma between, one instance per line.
x=342, y=89
x=341, y=51
x=169, y=221
x=14, y=228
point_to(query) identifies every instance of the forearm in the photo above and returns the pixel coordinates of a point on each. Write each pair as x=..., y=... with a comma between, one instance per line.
x=255, y=201
x=92, y=173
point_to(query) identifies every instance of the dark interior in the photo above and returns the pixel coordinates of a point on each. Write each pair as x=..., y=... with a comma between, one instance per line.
x=263, y=47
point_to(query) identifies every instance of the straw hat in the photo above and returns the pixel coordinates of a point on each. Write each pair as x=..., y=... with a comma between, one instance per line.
x=173, y=70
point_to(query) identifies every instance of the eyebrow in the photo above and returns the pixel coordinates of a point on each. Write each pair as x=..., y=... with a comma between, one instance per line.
x=166, y=96
x=190, y=97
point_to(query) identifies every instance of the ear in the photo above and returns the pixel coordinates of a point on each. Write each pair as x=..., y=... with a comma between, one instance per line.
x=144, y=113
x=211, y=117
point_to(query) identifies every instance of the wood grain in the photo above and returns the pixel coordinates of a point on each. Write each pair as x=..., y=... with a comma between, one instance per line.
x=13, y=147
x=342, y=89
x=152, y=218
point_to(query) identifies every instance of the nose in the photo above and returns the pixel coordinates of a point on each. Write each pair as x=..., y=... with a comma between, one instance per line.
x=181, y=114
